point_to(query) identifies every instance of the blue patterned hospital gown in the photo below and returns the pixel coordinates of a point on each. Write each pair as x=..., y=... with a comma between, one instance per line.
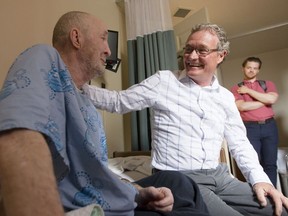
x=39, y=94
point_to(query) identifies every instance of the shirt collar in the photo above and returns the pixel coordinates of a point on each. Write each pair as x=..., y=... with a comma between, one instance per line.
x=214, y=82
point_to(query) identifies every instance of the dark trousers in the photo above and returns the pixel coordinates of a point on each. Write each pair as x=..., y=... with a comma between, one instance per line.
x=187, y=198
x=264, y=138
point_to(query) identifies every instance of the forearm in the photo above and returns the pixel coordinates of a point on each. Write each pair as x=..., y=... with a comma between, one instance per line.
x=103, y=99
x=265, y=98
x=248, y=105
x=28, y=185
x=136, y=186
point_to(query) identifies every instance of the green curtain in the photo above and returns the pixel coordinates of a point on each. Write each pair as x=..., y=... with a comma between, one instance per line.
x=146, y=55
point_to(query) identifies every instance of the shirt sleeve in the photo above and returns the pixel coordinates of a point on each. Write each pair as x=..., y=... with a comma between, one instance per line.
x=240, y=147
x=27, y=100
x=271, y=87
x=137, y=97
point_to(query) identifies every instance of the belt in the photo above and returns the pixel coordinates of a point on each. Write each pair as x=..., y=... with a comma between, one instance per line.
x=259, y=122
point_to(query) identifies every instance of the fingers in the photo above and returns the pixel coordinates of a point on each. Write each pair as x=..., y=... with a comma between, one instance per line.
x=261, y=195
x=264, y=190
x=166, y=202
x=243, y=90
x=285, y=202
x=159, y=199
x=280, y=200
x=276, y=196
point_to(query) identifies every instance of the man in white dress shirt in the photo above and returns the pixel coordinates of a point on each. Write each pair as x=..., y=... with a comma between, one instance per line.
x=192, y=114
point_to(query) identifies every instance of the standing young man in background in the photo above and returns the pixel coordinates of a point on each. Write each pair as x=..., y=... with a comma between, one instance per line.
x=254, y=99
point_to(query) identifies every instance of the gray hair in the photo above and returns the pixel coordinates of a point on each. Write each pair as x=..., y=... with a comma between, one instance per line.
x=214, y=29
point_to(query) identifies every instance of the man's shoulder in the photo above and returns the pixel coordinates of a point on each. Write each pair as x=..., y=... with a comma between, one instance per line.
x=237, y=85
x=38, y=50
x=263, y=84
x=178, y=74
x=166, y=74
x=267, y=82
x=225, y=90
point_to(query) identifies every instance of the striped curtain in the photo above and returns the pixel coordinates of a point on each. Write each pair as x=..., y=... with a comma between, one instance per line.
x=151, y=47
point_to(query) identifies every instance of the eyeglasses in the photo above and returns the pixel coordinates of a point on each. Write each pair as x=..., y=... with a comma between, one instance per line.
x=202, y=52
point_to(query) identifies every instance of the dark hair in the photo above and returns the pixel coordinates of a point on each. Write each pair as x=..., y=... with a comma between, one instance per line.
x=252, y=59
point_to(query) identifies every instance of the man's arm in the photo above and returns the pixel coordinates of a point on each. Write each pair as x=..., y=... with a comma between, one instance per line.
x=265, y=98
x=137, y=97
x=28, y=184
x=248, y=105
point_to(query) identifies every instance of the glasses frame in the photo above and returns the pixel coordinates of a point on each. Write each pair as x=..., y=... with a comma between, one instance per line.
x=198, y=51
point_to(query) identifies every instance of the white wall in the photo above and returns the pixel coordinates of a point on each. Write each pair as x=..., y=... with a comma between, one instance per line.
x=274, y=68
x=24, y=23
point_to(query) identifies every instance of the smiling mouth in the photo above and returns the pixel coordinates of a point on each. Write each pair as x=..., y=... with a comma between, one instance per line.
x=192, y=64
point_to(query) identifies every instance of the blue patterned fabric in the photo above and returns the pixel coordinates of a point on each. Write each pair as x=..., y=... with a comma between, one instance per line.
x=39, y=94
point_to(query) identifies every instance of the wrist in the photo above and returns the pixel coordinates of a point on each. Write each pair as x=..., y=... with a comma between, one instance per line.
x=136, y=186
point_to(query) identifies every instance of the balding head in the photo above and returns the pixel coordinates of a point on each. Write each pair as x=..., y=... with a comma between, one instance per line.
x=73, y=19
x=82, y=42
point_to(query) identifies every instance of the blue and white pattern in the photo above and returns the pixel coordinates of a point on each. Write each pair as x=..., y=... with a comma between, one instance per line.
x=39, y=94
x=90, y=193
x=59, y=80
x=94, y=124
x=18, y=81
x=52, y=130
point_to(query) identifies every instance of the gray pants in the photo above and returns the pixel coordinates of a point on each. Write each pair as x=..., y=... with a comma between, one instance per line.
x=227, y=196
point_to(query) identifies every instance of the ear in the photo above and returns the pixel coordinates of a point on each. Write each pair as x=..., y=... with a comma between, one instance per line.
x=221, y=56
x=75, y=37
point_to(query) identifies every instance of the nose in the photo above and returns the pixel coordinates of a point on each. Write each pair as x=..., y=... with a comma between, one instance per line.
x=193, y=54
x=107, y=51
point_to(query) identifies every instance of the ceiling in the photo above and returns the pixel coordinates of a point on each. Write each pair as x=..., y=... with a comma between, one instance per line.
x=252, y=26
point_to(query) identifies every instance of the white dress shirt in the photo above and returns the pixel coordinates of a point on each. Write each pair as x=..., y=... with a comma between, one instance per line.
x=189, y=122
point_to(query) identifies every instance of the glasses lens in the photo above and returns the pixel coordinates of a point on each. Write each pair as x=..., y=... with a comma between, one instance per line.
x=188, y=49
x=203, y=51
x=200, y=51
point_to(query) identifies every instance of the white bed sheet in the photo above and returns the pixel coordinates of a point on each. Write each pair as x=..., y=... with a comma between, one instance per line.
x=132, y=168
